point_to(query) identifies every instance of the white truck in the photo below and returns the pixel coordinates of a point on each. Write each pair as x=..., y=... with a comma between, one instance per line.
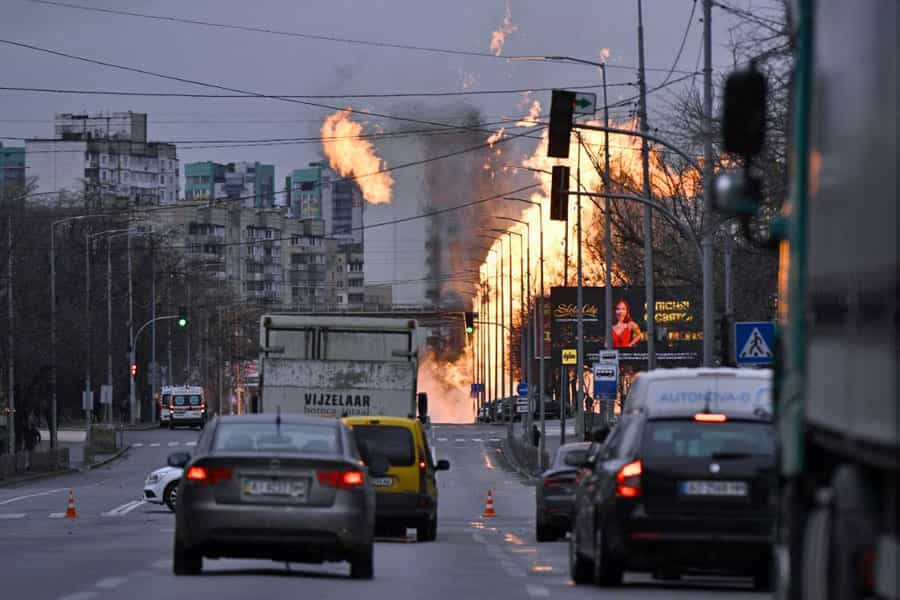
x=339, y=366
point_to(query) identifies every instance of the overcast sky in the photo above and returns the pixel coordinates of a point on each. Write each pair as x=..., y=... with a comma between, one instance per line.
x=267, y=63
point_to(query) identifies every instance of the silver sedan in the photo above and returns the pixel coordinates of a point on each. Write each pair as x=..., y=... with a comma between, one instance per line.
x=285, y=488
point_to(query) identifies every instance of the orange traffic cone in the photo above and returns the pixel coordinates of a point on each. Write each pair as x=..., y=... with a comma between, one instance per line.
x=70, y=508
x=489, y=505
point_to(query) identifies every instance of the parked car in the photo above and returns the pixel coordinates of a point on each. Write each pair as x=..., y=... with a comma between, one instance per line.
x=161, y=486
x=681, y=483
x=289, y=488
x=555, y=496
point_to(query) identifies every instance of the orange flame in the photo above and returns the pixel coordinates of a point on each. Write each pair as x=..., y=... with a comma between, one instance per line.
x=448, y=384
x=495, y=137
x=498, y=37
x=350, y=155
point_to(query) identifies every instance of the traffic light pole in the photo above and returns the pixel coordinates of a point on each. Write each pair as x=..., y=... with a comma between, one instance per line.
x=131, y=357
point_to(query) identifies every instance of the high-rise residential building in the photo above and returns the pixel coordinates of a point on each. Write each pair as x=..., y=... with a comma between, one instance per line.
x=102, y=160
x=12, y=168
x=251, y=184
x=317, y=192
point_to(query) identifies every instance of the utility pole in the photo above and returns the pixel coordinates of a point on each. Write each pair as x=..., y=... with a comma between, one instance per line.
x=109, y=371
x=52, y=423
x=132, y=417
x=607, y=226
x=11, y=401
x=87, y=332
x=648, y=220
x=579, y=312
x=155, y=374
x=706, y=242
x=541, y=382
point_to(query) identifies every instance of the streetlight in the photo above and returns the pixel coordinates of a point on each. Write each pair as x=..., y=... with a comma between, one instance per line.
x=53, y=409
x=526, y=311
x=540, y=320
x=500, y=338
x=521, y=276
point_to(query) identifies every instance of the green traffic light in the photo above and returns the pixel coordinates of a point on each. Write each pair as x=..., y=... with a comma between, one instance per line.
x=470, y=329
x=182, y=322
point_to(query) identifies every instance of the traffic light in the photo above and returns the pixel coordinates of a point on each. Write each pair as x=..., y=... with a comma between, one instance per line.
x=133, y=370
x=182, y=320
x=559, y=194
x=562, y=107
x=470, y=322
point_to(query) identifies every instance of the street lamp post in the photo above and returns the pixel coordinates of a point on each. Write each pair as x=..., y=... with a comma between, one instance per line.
x=540, y=332
x=53, y=401
x=521, y=276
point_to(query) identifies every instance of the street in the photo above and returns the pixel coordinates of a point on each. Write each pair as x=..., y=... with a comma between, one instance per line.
x=120, y=547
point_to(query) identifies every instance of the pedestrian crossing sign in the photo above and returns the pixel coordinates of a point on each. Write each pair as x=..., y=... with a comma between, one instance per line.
x=754, y=343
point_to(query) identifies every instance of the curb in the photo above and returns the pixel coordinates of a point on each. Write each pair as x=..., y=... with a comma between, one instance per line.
x=511, y=459
x=36, y=477
x=106, y=461
x=144, y=427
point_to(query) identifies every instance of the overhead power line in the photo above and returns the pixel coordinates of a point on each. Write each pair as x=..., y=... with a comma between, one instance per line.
x=368, y=95
x=297, y=34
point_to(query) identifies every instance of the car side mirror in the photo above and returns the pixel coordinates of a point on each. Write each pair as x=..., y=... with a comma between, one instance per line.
x=442, y=465
x=178, y=459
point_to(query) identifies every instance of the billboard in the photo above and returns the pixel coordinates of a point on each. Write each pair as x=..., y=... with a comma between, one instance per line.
x=678, y=314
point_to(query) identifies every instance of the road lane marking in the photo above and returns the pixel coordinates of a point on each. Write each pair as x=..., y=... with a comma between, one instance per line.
x=11, y=515
x=138, y=445
x=537, y=591
x=57, y=515
x=495, y=440
x=25, y=497
x=460, y=439
x=190, y=443
x=124, y=509
x=442, y=439
x=477, y=440
x=165, y=563
x=173, y=444
x=110, y=583
x=154, y=445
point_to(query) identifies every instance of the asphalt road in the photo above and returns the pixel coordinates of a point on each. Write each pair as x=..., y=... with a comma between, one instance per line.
x=120, y=547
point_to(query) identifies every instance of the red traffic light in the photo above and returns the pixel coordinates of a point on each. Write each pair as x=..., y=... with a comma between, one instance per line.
x=133, y=370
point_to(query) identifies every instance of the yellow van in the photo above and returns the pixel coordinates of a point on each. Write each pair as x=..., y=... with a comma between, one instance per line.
x=407, y=495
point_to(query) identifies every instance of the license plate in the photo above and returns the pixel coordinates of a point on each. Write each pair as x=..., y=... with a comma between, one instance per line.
x=286, y=488
x=714, y=488
x=382, y=481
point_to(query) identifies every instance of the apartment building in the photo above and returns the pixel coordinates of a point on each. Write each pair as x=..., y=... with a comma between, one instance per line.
x=249, y=184
x=102, y=160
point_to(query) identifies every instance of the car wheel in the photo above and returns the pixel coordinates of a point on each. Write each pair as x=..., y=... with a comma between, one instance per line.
x=607, y=571
x=764, y=579
x=580, y=568
x=427, y=531
x=184, y=560
x=170, y=495
x=171, y=425
x=362, y=564
x=162, y=424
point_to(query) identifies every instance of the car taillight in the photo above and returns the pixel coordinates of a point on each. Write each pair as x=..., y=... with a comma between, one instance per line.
x=552, y=482
x=628, y=480
x=710, y=418
x=422, y=465
x=211, y=476
x=341, y=479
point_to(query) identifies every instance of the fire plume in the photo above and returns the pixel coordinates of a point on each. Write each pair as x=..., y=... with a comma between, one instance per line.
x=498, y=37
x=352, y=156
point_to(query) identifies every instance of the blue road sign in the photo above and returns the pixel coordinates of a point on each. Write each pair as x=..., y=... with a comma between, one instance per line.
x=754, y=343
x=522, y=389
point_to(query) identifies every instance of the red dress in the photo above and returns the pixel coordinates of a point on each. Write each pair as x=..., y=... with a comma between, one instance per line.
x=622, y=340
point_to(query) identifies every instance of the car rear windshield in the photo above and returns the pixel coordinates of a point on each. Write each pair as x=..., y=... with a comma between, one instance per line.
x=572, y=458
x=187, y=400
x=680, y=439
x=268, y=437
x=395, y=443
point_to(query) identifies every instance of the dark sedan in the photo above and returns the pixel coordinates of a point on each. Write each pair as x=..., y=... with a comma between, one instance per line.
x=556, y=494
x=286, y=488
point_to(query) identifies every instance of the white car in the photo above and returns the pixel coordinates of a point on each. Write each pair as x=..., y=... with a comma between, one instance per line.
x=161, y=486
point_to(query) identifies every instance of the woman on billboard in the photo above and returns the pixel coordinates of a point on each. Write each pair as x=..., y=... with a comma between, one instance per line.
x=625, y=332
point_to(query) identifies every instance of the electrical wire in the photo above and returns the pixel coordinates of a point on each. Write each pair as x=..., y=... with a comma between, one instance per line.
x=320, y=37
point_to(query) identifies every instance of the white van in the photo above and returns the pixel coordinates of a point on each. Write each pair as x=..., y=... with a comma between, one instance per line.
x=734, y=392
x=187, y=406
